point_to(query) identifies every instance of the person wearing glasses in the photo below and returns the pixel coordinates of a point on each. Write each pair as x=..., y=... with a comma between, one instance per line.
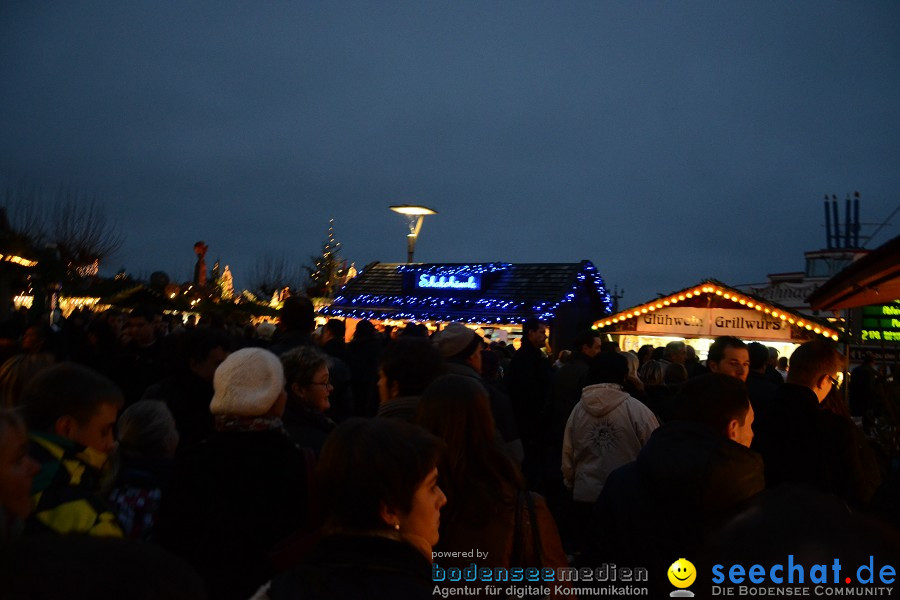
x=308, y=388
x=803, y=442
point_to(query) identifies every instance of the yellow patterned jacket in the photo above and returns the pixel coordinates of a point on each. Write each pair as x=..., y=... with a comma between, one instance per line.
x=64, y=491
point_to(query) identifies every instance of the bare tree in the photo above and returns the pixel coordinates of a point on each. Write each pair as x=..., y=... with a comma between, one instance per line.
x=72, y=220
x=272, y=273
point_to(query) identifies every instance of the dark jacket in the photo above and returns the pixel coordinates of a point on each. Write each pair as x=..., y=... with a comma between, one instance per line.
x=308, y=429
x=229, y=501
x=761, y=390
x=288, y=340
x=528, y=382
x=363, y=355
x=357, y=567
x=139, y=368
x=188, y=397
x=502, y=411
x=136, y=493
x=685, y=482
x=568, y=382
x=801, y=442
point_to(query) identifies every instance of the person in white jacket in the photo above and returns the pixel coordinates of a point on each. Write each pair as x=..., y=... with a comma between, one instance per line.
x=606, y=429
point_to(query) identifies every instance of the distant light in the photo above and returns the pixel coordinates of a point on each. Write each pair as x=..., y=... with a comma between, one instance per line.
x=412, y=209
x=18, y=260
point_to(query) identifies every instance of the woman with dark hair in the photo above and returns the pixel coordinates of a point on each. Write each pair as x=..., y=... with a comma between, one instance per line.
x=487, y=505
x=377, y=486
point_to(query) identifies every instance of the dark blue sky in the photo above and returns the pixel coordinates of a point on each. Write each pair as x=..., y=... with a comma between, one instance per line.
x=665, y=141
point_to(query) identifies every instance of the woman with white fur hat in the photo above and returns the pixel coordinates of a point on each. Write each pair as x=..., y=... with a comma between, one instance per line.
x=244, y=488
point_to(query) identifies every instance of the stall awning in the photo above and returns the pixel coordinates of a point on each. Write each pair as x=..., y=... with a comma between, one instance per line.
x=873, y=279
x=710, y=309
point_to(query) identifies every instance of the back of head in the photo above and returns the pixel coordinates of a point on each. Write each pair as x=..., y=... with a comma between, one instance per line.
x=413, y=363
x=197, y=344
x=297, y=314
x=457, y=410
x=414, y=330
x=364, y=331
x=645, y=353
x=66, y=389
x=720, y=344
x=17, y=372
x=247, y=383
x=674, y=374
x=367, y=464
x=336, y=328
x=651, y=372
x=477, y=475
x=812, y=360
x=457, y=342
x=675, y=349
x=714, y=400
x=148, y=312
x=633, y=363
x=147, y=428
x=759, y=355
x=607, y=368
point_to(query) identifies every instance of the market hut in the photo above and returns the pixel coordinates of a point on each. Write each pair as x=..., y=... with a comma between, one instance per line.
x=493, y=296
x=707, y=310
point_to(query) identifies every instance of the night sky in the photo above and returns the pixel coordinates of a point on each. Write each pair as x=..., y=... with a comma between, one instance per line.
x=665, y=141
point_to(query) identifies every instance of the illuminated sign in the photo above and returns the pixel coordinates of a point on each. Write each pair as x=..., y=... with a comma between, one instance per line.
x=712, y=322
x=881, y=323
x=449, y=282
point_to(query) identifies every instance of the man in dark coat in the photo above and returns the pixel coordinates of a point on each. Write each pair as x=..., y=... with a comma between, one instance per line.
x=188, y=391
x=528, y=381
x=570, y=380
x=296, y=322
x=760, y=388
x=693, y=474
x=801, y=442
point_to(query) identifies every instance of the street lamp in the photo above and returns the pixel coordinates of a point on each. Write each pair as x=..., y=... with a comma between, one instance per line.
x=415, y=214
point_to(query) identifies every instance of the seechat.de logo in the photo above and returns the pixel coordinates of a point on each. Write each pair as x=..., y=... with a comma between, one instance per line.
x=682, y=574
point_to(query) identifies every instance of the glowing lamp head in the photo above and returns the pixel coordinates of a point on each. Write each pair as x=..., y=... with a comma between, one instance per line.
x=412, y=209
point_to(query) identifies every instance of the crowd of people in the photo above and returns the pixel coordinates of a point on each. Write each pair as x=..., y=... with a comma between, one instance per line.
x=229, y=463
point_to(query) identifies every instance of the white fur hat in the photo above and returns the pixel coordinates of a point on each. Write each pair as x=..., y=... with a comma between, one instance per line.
x=247, y=383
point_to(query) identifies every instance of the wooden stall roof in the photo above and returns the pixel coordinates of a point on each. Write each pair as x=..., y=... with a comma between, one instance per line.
x=873, y=279
x=716, y=294
x=516, y=292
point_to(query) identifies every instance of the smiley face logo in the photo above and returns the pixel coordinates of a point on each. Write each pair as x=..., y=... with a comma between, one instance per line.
x=682, y=573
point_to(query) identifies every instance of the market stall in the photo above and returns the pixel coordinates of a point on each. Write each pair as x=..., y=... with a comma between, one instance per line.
x=710, y=309
x=492, y=296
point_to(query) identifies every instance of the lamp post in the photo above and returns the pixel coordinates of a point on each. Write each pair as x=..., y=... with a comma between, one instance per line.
x=415, y=214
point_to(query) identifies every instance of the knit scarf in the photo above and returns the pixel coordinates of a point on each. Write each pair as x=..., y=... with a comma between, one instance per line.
x=233, y=423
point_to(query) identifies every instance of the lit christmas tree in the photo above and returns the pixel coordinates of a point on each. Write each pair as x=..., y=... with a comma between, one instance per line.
x=327, y=270
x=226, y=284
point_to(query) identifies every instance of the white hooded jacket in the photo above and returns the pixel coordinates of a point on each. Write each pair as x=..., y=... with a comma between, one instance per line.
x=607, y=429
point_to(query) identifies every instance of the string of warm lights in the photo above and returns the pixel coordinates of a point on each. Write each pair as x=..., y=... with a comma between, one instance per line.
x=726, y=293
x=18, y=260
